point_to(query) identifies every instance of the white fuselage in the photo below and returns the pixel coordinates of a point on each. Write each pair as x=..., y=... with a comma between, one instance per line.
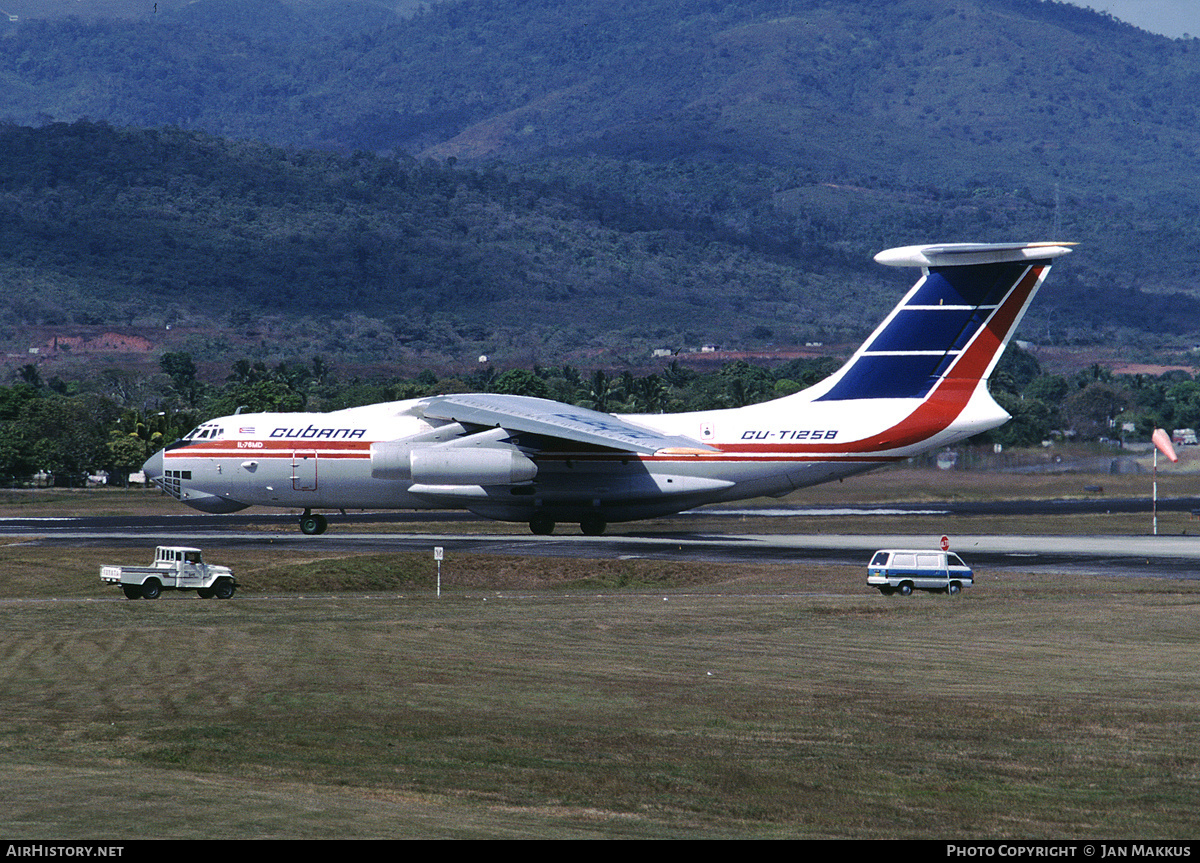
x=348, y=459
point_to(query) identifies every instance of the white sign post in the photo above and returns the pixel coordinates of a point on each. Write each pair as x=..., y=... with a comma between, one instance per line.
x=437, y=555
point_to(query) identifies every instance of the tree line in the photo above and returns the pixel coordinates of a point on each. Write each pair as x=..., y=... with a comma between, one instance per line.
x=113, y=421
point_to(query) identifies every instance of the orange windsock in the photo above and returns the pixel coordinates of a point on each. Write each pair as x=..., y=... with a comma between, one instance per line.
x=1163, y=441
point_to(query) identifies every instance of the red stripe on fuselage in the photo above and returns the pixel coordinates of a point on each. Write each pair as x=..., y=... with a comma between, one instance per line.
x=269, y=449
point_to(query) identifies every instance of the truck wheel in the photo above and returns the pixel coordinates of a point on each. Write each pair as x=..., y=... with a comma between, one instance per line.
x=151, y=588
x=224, y=589
x=205, y=592
x=132, y=591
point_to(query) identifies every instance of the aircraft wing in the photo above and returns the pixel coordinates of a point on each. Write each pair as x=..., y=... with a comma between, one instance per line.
x=554, y=419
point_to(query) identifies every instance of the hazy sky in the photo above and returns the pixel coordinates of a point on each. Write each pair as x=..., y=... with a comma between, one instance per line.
x=1169, y=17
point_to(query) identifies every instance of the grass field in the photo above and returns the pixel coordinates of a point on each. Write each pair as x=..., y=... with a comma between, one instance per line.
x=337, y=697
x=743, y=702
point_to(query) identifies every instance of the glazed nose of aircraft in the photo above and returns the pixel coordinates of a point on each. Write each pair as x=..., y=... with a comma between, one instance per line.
x=153, y=467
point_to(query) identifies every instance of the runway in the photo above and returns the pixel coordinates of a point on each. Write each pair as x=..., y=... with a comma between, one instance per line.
x=1161, y=556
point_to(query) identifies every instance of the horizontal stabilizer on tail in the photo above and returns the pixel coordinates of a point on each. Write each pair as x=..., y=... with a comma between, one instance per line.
x=966, y=254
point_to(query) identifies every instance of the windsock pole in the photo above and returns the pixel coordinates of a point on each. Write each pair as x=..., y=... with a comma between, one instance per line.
x=1162, y=441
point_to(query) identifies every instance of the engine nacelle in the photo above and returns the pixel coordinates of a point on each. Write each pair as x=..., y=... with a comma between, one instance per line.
x=390, y=459
x=448, y=455
x=460, y=465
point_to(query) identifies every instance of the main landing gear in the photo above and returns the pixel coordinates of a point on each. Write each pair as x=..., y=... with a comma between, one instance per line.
x=590, y=525
x=312, y=525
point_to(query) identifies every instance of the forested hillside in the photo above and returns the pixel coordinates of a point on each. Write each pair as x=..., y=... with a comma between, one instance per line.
x=526, y=178
x=368, y=255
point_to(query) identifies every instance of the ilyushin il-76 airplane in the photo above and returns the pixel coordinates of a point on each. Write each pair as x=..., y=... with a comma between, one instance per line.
x=919, y=382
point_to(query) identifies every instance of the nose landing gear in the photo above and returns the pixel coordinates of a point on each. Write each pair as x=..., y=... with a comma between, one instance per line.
x=312, y=525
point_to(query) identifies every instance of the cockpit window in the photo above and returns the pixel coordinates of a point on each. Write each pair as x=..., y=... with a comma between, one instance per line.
x=203, y=433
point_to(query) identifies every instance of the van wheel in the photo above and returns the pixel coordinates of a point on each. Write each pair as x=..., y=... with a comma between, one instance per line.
x=886, y=591
x=953, y=588
x=906, y=589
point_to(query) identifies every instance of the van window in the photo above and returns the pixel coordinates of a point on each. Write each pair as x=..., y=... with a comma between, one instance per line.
x=929, y=561
x=904, y=560
x=880, y=559
x=954, y=560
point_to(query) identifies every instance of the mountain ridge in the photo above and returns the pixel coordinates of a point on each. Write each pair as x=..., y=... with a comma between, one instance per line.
x=598, y=173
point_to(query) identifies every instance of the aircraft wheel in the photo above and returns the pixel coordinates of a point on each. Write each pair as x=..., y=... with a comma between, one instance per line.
x=151, y=588
x=313, y=525
x=592, y=525
x=542, y=525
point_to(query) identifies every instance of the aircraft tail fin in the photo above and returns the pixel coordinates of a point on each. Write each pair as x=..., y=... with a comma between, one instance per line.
x=948, y=332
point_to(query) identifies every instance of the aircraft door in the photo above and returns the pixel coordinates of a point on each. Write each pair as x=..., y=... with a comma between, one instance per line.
x=304, y=470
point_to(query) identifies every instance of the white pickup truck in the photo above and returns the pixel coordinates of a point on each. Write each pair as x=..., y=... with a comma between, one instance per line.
x=174, y=568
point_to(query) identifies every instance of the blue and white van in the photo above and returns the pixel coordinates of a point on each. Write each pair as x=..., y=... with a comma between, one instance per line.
x=904, y=570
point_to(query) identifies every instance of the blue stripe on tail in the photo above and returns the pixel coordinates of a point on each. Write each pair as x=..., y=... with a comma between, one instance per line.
x=927, y=333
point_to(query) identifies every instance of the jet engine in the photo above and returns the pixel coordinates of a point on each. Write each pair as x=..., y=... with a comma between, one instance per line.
x=479, y=459
x=470, y=466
